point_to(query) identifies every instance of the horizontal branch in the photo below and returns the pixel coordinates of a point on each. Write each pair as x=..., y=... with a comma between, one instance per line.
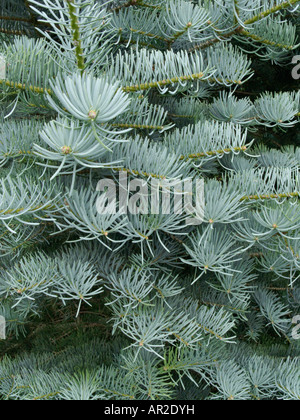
x=138, y=126
x=135, y=172
x=214, y=153
x=23, y=86
x=240, y=29
x=31, y=210
x=162, y=83
x=12, y=32
x=192, y=156
x=270, y=196
x=214, y=41
x=174, y=80
x=149, y=35
x=275, y=9
x=265, y=41
x=16, y=19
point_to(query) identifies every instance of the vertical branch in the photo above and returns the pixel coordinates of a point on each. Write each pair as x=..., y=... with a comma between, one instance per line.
x=76, y=36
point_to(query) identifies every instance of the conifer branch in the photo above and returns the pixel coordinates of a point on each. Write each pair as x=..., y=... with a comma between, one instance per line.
x=161, y=83
x=149, y=35
x=20, y=86
x=16, y=19
x=12, y=32
x=241, y=29
x=265, y=41
x=270, y=196
x=76, y=35
x=192, y=290
x=271, y=11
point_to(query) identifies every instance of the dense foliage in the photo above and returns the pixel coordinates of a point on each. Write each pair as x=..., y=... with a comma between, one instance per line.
x=137, y=305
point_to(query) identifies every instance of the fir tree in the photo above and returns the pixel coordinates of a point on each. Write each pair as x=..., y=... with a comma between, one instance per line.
x=101, y=301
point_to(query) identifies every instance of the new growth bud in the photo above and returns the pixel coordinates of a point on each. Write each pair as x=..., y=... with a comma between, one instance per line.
x=66, y=150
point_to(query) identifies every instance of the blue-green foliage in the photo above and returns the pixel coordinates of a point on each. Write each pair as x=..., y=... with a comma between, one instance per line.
x=120, y=305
